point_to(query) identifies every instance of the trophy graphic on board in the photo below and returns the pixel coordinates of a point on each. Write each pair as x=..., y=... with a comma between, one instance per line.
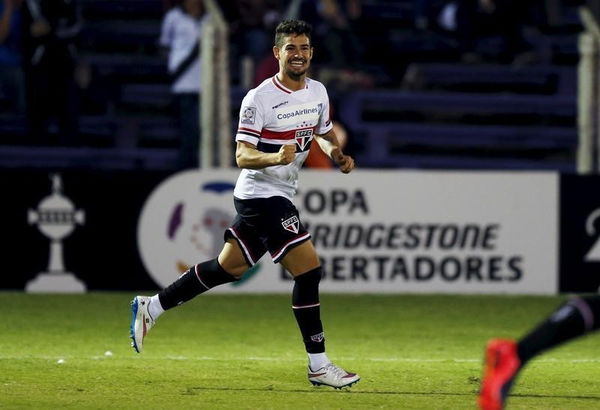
x=56, y=218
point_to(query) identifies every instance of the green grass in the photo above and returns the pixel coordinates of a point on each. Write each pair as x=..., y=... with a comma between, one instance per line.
x=245, y=352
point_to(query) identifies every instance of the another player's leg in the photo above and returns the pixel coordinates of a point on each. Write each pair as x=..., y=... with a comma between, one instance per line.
x=500, y=369
x=504, y=358
x=303, y=263
x=228, y=267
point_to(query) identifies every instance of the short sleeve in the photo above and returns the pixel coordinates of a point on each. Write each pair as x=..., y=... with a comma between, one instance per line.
x=251, y=119
x=167, y=30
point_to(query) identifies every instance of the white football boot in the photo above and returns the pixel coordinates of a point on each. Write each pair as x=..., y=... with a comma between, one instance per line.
x=331, y=375
x=141, y=321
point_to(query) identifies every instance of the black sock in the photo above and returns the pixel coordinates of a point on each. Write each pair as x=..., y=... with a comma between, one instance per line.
x=307, y=310
x=573, y=319
x=198, y=279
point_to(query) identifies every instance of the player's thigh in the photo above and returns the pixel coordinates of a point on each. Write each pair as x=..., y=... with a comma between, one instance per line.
x=301, y=259
x=232, y=259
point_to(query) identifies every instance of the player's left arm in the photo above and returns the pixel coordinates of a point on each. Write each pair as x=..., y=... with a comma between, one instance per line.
x=331, y=146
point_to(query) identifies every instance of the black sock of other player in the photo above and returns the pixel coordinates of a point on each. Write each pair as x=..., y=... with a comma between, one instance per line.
x=307, y=310
x=572, y=319
x=198, y=279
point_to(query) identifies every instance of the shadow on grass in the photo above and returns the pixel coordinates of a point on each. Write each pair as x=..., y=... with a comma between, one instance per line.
x=547, y=396
x=194, y=390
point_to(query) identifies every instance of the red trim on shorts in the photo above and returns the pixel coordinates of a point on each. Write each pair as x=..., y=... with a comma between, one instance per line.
x=279, y=254
x=245, y=249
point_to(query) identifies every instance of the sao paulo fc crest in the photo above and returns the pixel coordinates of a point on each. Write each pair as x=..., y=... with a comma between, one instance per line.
x=291, y=224
x=303, y=137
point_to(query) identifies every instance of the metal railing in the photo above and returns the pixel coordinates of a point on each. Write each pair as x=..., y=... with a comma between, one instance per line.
x=215, y=114
x=588, y=107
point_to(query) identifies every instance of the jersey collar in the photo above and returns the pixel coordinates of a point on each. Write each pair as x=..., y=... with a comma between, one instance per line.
x=283, y=88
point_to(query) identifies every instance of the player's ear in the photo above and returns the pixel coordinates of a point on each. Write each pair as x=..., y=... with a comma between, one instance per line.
x=276, y=52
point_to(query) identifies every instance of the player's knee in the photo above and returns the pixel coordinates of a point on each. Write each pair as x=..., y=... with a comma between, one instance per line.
x=306, y=287
x=233, y=262
x=312, y=276
x=235, y=270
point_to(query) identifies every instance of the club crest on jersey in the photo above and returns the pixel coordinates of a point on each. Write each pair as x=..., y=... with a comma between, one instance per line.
x=303, y=137
x=248, y=115
x=291, y=224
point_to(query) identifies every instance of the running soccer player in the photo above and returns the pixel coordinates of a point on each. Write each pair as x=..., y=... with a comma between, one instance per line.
x=278, y=122
x=504, y=358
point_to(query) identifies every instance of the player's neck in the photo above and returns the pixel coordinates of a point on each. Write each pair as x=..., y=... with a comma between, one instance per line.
x=291, y=83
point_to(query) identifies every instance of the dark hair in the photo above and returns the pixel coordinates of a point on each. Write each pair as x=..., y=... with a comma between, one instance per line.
x=289, y=27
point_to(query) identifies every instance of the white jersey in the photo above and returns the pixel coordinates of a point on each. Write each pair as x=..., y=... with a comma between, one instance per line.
x=272, y=115
x=180, y=33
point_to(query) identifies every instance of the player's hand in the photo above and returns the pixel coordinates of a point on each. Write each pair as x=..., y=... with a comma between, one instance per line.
x=344, y=162
x=286, y=154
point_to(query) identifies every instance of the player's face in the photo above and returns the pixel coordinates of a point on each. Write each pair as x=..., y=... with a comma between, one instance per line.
x=294, y=55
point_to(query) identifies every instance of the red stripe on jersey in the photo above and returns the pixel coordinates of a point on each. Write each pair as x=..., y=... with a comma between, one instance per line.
x=283, y=135
x=280, y=86
x=278, y=135
x=249, y=131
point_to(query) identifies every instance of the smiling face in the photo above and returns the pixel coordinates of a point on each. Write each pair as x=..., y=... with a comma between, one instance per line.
x=294, y=53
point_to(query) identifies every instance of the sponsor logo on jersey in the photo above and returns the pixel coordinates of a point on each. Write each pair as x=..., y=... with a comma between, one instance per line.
x=280, y=104
x=248, y=115
x=291, y=224
x=296, y=114
x=303, y=137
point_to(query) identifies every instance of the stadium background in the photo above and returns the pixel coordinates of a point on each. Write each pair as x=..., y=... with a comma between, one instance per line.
x=472, y=215
x=416, y=109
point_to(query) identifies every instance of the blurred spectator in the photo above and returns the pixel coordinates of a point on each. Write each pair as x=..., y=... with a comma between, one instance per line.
x=50, y=30
x=12, y=84
x=257, y=19
x=180, y=34
x=267, y=67
x=473, y=19
x=426, y=12
x=338, y=48
x=421, y=12
x=317, y=158
x=251, y=24
x=335, y=24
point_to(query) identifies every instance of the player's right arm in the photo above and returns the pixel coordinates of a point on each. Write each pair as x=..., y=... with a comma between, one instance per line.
x=247, y=156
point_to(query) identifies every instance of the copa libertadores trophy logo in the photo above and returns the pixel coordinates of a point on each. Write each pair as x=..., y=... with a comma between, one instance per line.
x=56, y=218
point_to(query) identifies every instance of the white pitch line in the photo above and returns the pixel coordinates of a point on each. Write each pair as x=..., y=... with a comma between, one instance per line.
x=372, y=359
x=288, y=359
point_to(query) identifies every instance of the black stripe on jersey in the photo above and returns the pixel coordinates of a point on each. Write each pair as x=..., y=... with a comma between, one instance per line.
x=248, y=133
x=275, y=147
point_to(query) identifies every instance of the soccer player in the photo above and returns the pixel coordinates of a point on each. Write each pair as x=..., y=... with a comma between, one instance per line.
x=504, y=358
x=279, y=120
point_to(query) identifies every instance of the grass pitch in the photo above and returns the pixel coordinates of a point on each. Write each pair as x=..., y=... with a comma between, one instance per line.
x=245, y=352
